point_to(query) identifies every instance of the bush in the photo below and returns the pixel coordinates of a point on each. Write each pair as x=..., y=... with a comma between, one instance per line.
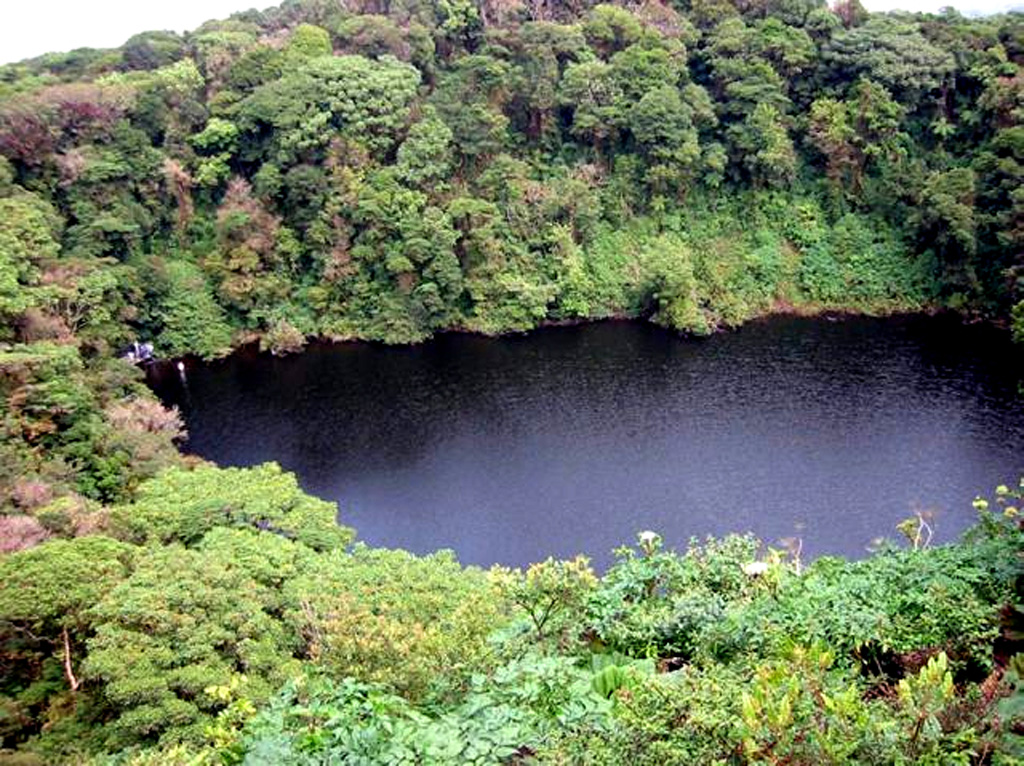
x=417, y=624
x=505, y=716
x=654, y=602
x=877, y=612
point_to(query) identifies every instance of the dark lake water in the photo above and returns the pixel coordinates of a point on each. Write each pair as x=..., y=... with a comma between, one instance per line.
x=573, y=439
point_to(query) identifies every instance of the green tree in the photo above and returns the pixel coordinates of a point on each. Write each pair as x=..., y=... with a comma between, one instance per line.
x=858, y=134
x=425, y=157
x=553, y=594
x=610, y=29
x=594, y=95
x=182, y=505
x=947, y=211
x=188, y=317
x=666, y=127
x=365, y=101
x=545, y=49
x=217, y=142
x=185, y=620
x=404, y=247
x=469, y=99
x=248, y=265
x=307, y=42
x=29, y=237
x=893, y=52
x=48, y=592
x=768, y=151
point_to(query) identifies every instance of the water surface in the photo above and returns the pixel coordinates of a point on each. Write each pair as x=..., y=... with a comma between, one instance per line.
x=573, y=439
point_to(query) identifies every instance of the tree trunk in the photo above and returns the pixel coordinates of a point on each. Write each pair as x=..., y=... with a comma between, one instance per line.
x=75, y=683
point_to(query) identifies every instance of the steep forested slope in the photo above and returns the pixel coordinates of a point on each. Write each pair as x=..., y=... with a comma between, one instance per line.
x=385, y=171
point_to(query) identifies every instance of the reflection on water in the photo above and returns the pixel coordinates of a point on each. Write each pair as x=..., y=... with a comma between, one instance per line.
x=573, y=439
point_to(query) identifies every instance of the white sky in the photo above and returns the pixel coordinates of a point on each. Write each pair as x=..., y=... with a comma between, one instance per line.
x=33, y=27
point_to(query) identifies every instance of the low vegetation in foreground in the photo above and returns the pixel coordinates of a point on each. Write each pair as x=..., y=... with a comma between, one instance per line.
x=223, y=616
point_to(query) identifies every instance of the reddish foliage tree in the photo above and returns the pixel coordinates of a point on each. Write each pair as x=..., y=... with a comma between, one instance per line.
x=20, y=532
x=26, y=136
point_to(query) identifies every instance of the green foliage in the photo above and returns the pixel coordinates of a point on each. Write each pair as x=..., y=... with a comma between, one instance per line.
x=858, y=134
x=79, y=427
x=552, y=593
x=183, y=621
x=795, y=711
x=182, y=505
x=946, y=214
x=614, y=673
x=188, y=316
x=944, y=599
x=893, y=52
x=306, y=42
x=365, y=101
x=858, y=263
x=477, y=166
x=405, y=249
x=416, y=660
x=425, y=157
x=52, y=586
x=218, y=142
x=798, y=708
x=29, y=231
x=418, y=624
x=654, y=602
x=767, y=148
x=509, y=714
x=46, y=596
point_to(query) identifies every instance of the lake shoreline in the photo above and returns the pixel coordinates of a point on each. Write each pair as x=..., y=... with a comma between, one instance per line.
x=252, y=342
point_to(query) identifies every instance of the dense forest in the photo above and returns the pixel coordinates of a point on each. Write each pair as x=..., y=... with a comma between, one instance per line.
x=385, y=171
x=388, y=169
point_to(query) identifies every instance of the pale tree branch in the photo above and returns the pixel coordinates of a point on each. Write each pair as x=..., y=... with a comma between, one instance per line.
x=75, y=683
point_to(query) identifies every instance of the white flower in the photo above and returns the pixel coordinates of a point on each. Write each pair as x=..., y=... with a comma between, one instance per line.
x=755, y=568
x=649, y=541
